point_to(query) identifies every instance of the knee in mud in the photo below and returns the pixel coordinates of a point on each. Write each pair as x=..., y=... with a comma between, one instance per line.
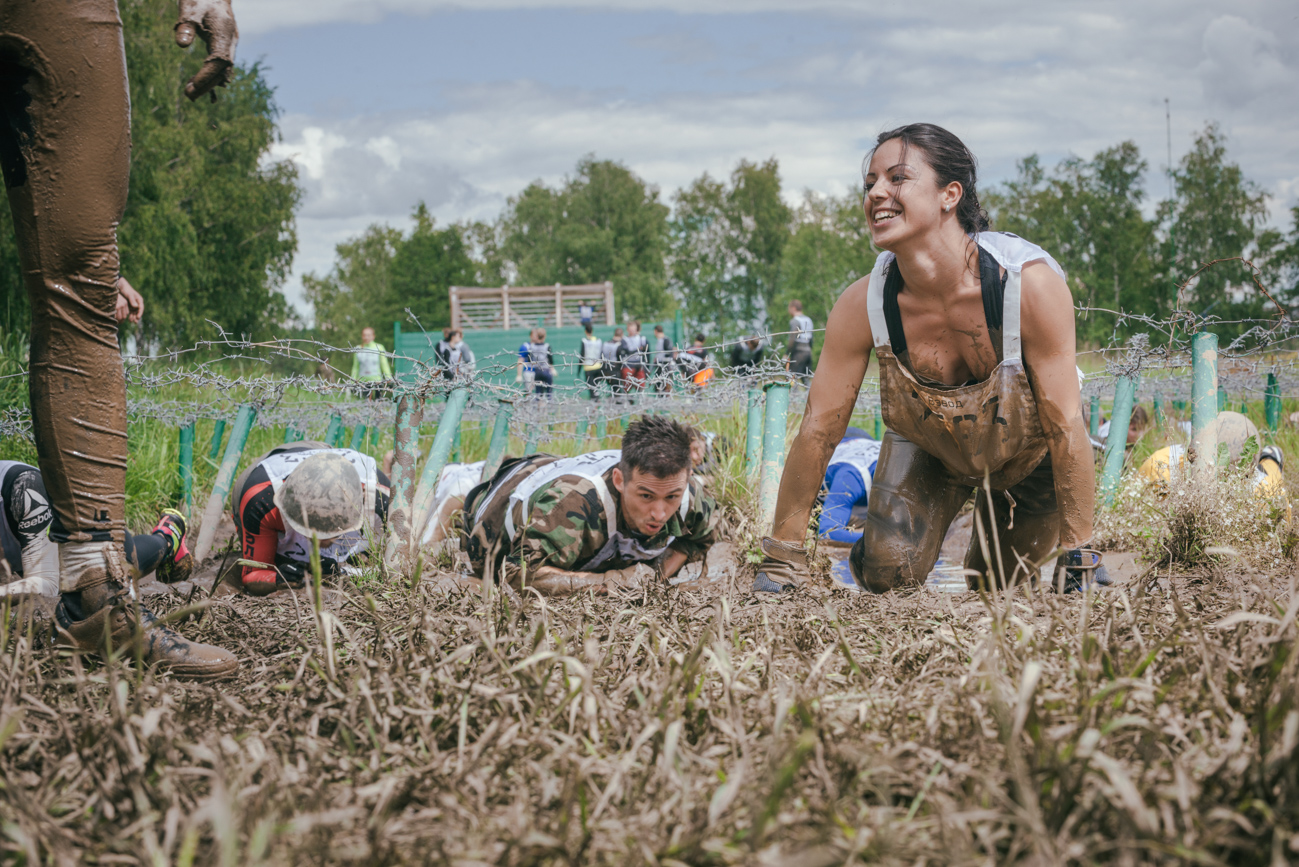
x=873, y=572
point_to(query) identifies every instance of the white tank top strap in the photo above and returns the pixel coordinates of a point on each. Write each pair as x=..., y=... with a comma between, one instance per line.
x=1013, y=253
x=1010, y=337
x=875, y=300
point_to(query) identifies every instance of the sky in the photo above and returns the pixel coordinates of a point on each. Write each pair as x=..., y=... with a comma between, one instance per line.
x=386, y=103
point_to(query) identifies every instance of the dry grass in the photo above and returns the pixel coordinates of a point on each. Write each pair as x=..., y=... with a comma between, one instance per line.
x=677, y=727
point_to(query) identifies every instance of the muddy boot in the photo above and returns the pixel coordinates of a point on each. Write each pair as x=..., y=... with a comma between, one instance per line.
x=102, y=615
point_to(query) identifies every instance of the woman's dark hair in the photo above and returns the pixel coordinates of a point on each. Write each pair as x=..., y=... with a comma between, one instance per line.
x=656, y=445
x=950, y=159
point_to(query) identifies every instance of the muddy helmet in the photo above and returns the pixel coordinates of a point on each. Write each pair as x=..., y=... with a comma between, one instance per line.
x=322, y=495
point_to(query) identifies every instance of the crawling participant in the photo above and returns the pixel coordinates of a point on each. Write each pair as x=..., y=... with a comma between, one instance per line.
x=454, y=484
x=609, y=518
x=847, y=489
x=295, y=490
x=974, y=332
x=31, y=555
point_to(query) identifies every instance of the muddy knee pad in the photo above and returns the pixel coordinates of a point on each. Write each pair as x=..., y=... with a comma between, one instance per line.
x=874, y=571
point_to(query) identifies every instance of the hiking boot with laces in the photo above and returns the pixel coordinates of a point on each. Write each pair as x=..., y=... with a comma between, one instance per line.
x=113, y=624
x=178, y=565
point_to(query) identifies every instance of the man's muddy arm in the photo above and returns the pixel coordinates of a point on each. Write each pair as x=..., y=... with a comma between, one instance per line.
x=550, y=581
x=1050, y=355
x=844, y=359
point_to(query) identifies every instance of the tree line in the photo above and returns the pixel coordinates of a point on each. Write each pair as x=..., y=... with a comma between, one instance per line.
x=730, y=252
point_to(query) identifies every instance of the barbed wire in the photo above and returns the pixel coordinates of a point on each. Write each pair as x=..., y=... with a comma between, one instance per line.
x=213, y=378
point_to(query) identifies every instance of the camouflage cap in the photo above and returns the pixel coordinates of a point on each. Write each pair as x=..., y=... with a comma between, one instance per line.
x=323, y=496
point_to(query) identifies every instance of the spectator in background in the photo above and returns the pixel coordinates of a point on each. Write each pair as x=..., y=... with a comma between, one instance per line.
x=370, y=362
x=590, y=354
x=460, y=359
x=586, y=314
x=542, y=360
x=746, y=356
x=609, y=361
x=694, y=363
x=800, y=342
x=662, y=356
x=631, y=354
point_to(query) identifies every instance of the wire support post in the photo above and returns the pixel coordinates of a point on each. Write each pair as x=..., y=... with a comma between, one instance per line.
x=773, y=450
x=224, y=479
x=1125, y=391
x=410, y=414
x=1204, y=402
x=438, y=454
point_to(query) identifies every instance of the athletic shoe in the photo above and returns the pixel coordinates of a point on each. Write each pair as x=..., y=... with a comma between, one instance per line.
x=180, y=564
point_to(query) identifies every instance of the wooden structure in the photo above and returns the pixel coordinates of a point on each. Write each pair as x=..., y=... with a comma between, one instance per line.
x=475, y=308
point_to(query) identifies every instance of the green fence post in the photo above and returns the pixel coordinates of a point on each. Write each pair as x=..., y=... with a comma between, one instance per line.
x=455, y=444
x=331, y=432
x=580, y=432
x=500, y=440
x=1125, y=392
x=218, y=431
x=1204, y=399
x=1223, y=402
x=1272, y=402
x=186, y=455
x=289, y=433
x=1160, y=421
x=534, y=441
x=410, y=413
x=753, y=438
x=773, y=450
x=601, y=430
x=225, y=477
x=358, y=438
x=1094, y=421
x=436, y=461
x=878, y=427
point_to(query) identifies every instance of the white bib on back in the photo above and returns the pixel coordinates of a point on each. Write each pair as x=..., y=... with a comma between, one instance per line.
x=860, y=454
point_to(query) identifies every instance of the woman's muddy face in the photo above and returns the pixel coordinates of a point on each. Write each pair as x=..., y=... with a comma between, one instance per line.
x=902, y=198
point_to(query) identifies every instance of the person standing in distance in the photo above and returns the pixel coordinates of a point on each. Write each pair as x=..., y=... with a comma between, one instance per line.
x=975, y=336
x=800, y=342
x=370, y=363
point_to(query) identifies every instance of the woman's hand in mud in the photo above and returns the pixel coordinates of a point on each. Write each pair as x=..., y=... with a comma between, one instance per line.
x=214, y=22
x=130, y=304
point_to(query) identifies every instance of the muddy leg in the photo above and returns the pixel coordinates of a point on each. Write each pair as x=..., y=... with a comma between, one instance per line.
x=1026, y=534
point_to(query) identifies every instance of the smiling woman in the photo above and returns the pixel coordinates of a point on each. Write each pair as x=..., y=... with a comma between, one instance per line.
x=975, y=336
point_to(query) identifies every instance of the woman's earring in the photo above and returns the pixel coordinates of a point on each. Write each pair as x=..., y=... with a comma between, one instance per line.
x=947, y=207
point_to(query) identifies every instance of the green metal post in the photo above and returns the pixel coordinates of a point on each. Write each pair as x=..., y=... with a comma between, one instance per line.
x=1223, y=403
x=773, y=451
x=331, y=432
x=218, y=431
x=437, y=460
x=1125, y=392
x=358, y=438
x=376, y=435
x=410, y=413
x=225, y=477
x=187, y=468
x=455, y=444
x=1204, y=398
x=290, y=434
x=1160, y=421
x=753, y=439
x=534, y=441
x=582, y=427
x=1272, y=402
x=1094, y=422
x=500, y=441
x=879, y=425
x=601, y=431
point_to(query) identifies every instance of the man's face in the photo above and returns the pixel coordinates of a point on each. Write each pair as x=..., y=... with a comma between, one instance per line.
x=649, y=502
x=367, y=335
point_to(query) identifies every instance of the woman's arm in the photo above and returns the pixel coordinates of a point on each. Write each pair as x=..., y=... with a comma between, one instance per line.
x=1050, y=357
x=830, y=401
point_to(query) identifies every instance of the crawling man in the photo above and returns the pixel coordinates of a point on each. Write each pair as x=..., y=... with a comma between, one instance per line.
x=593, y=522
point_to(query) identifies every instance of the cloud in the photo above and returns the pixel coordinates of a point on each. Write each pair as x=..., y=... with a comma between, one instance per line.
x=1240, y=62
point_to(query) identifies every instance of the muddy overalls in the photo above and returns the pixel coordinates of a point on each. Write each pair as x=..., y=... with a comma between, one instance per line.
x=944, y=441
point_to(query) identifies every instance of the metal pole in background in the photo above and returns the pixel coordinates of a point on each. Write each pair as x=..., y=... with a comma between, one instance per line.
x=500, y=440
x=410, y=413
x=1272, y=403
x=436, y=461
x=1125, y=392
x=358, y=438
x=773, y=450
x=753, y=439
x=224, y=479
x=187, y=468
x=1094, y=422
x=1204, y=400
x=218, y=431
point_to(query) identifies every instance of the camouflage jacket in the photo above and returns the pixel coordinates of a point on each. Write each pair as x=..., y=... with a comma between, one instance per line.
x=567, y=525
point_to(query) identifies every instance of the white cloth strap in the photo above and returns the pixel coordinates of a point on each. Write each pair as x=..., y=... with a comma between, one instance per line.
x=875, y=300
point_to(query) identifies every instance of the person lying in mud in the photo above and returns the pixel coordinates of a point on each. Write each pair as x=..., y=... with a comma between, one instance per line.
x=299, y=489
x=34, y=559
x=597, y=521
x=974, y=331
